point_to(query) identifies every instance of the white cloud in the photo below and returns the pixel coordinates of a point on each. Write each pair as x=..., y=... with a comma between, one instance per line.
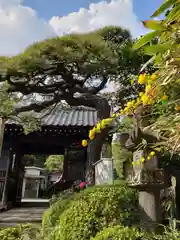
x=115, y=12
x=20, y=25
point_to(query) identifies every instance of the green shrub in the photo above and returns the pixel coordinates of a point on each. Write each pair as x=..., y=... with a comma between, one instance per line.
x=120, y=233
x=169, y=234
x=128, y=233
x=51, y=216
x=17, y=233
x=59, y=204
x=97, y=208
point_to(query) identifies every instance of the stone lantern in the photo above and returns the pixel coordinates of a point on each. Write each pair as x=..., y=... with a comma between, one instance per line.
x=146, y=177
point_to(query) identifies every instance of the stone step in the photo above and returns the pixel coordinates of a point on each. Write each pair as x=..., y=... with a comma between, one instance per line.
x=21, y=215
x=35, y=202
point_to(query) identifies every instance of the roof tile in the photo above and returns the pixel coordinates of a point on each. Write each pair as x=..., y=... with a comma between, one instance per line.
x=80, y=116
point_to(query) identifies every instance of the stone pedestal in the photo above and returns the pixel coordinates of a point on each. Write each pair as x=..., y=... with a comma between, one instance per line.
x=149, y=203
x=148, y=180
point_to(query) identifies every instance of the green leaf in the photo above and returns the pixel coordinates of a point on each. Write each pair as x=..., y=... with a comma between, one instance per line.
x=157, y=59
x=145, y=39
x=158, y=48
x=174, y=14
x=167, y=4
x=153, y=25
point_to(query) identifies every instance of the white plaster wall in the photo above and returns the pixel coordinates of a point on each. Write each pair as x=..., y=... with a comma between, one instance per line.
x=104, y=172
x=33, y=172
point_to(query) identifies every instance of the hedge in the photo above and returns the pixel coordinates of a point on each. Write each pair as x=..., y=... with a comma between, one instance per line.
x=95, y=209
x=120, y=233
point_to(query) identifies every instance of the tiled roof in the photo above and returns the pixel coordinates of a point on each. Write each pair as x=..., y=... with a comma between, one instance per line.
x=71, y=117
x=80, y=116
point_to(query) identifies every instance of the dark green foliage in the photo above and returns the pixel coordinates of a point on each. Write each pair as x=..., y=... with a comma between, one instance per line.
x=114, y=34
x=76, y=62
x=29, y=160
x=95, y=209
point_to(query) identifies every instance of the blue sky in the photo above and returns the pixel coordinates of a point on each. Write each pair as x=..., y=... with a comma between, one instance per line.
x=49, y=8
x=23, y=22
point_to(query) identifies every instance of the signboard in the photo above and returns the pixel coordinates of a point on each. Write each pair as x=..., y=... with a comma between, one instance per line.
x=104, y=172
x=137, y=166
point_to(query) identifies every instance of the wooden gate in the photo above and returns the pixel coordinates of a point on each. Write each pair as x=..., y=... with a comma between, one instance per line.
x=74, y=162
x=4, y=163
x=2, y=184
x=19, y=179
x=11, y=178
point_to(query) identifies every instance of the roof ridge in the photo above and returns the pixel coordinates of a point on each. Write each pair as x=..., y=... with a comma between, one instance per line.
x=76, y=108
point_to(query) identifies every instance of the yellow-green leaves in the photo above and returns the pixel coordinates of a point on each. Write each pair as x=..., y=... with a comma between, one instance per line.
x=146, y=39
x=54, y=163
x=174, y=14
x=153, y=25
x=166, y=5
x=157, y=48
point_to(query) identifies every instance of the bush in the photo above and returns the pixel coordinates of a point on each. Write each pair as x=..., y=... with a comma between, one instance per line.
x=17, y=233
x=97, y=208
x=59, y=204
x=120, y=233
x=125, y=233
x=51, y=216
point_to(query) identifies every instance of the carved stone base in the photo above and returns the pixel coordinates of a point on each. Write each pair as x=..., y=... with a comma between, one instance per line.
x=146, y=179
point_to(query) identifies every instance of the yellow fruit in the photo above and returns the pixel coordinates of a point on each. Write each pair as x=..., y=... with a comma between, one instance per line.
x=141, y=94
x=98, y=128
x=149, y=158
x=129, y=104
x=152, y=153
x=164, y=97
x=149, y=81
x=142, y=159
x=138, y=101
x=121, y=112
x=148, y=88
x=142, y=78
x=149, y=102
x=84, y=143
x=107, y=121
x=92, y=134
x=103, y=126
x=145, y=99
x=153, y=76
x=126, y=109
